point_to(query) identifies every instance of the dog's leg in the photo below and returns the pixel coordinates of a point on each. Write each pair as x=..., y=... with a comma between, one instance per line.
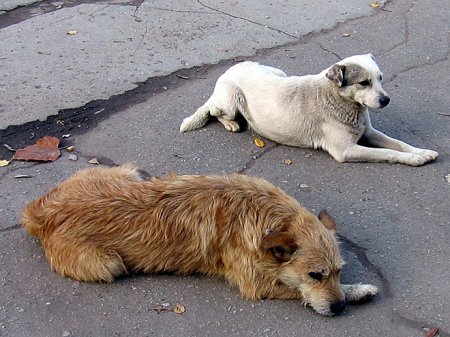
x=379, y=139
x=358, y=153
x=197, y=120
x=82, y=261
x=358, y=292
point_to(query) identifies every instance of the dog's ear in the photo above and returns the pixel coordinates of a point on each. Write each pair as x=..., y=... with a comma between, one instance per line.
x=327, y=220
x=280, y=244
x=336, y=74
x=371, y=56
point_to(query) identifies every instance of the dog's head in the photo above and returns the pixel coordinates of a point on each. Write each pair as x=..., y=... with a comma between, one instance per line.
x=309, y=260
x=358, y=78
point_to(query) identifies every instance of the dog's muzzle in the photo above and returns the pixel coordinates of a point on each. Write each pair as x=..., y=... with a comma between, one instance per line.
x=384, y=100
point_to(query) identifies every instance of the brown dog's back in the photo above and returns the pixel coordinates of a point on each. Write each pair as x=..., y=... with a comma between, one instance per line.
x=102, y=222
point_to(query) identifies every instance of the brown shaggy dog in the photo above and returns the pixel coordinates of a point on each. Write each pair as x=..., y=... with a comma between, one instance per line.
x=105, y=222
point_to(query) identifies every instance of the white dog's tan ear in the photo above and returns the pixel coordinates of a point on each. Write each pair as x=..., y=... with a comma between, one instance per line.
x=336, y=74
x=280, y=244
x=327, y=220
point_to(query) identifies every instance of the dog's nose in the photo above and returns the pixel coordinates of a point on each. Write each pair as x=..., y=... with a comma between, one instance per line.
x=337, y=307
x=384, y=100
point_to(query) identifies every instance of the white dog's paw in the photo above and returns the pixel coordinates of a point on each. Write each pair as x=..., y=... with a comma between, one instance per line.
x=429, y=155
x=231, y=126
x=413, y=159
x=359, y=292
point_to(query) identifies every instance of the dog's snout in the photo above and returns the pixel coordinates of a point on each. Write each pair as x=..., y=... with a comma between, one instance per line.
x=384, y=100
x=337, y=307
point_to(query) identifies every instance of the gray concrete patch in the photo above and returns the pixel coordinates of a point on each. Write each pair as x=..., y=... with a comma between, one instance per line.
x=6, y=5
x=43, y=69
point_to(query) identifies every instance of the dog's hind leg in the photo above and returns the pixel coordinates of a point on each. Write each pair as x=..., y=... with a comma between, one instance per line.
x=82, y=261
x=197, y=120
x=225, y=103
x=358, y=292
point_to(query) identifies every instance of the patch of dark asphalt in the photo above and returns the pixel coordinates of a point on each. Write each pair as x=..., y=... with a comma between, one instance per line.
x=77, y=121
x=26, y=12
x=361, y=255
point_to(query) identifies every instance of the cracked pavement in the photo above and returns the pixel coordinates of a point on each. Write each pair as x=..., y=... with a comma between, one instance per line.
x=121, y=87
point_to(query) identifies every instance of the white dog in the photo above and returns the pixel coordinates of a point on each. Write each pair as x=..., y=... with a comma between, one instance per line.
x=328, y=110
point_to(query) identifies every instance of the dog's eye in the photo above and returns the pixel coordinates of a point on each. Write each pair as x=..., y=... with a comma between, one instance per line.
x=364, y=83
x=316, y=276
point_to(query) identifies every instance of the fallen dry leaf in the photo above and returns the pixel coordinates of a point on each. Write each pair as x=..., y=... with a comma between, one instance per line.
x=73, y=157
x=179, y=309
x=94, y=161
x=66, y=135
x=45, y=149
x=259, y=142
x=346, y=34
x=4, y=163
x=432, y=332
x=287, y=161
x=72, y=32
x=70, y=148
x=448, y=178
x=375, y=4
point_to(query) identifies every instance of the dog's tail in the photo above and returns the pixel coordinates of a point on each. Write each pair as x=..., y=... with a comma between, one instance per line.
x=197, y=120
x=34, y=215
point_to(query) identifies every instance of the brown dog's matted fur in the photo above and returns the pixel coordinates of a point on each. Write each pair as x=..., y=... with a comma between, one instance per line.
x=105, y=222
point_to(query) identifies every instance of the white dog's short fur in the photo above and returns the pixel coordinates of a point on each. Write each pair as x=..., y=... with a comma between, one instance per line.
x=328, y=110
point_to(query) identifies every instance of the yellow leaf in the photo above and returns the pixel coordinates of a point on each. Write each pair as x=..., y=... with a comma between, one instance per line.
x=70, y=148
x=179, y=309
x=287, y=161
x=346, y=34
x=259, y=142
x=375, y=4
x=94, y=161
x=4, y=162
x=72, y=32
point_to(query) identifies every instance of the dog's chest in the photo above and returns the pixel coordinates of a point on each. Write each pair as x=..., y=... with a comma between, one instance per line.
x=361, y=124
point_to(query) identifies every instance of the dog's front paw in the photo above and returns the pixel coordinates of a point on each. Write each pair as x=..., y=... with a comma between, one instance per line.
x=429, y=155
x=413, y=159
x=359, y=292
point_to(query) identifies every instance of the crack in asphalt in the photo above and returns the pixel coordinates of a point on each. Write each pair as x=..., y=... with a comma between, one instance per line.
x=10, y=228
x=142, y=38
x=416, y=66
x=247, y=20
x=179, y=10
x=255, y=157
x=405, y=31
x=328, y=51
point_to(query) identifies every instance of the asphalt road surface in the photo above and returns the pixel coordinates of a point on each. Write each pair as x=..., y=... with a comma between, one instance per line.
x=121, y=84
